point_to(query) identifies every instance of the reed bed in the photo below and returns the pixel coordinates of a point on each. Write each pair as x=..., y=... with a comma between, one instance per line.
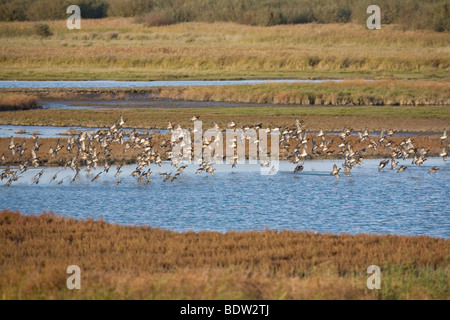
x=346, y=93
x=342, y=93
x=9, y=102
x=127, y=262
x=219, y=50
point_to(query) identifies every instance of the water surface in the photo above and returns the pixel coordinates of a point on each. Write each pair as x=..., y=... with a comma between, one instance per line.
x=410, y=203
x=131, y=84
x=7, y=131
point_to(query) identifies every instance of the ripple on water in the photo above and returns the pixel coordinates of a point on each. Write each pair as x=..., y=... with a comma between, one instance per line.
x=410, y=203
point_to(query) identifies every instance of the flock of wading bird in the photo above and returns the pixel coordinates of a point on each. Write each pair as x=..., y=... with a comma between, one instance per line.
x=85, y=155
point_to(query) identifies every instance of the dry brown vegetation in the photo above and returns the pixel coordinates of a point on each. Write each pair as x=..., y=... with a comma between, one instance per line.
x=343, y=93
x=125, y=262
x=219, y=51
x=18, y=102
x=346, y=93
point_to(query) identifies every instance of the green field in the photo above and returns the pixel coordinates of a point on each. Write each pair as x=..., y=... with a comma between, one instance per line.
x=426, y=119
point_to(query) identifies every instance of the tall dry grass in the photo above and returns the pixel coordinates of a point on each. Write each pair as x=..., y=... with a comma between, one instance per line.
x=141, y=262
x=10, y=102
x=219, y=50
x=342, y=93
x=347, y=93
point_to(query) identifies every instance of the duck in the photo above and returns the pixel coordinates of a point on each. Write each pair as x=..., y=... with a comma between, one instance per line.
x=199, y=170
x=55, y=176
x=299, y=167
x=304, y=153
x=75, y=178
x=12, y=147
x=347, y=168
x=96, y=177
x=394, y=164
x=402, y=168
x=444, y=136
x=433, y=169
x=121, y=121
x=335, y=171
x=107, y=166
x=272, y=170
x=320, y=134
x=383, y=164
x=444, y=154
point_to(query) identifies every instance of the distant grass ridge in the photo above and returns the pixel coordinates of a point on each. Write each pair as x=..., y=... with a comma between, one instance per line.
x=410, y=14
x=127, y=262
x=122, y=49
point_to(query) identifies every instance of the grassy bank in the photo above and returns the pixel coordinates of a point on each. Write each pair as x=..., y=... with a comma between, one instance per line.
x=416, y=119
x=359, y=93
x=12, y=102
x=343, y=93
x=125, y=262
x=122, y=49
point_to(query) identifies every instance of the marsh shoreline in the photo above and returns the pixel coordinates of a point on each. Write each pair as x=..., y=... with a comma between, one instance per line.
x=132, y=262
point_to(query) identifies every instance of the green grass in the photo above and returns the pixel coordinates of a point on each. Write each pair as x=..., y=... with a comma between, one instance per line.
x=329, y=118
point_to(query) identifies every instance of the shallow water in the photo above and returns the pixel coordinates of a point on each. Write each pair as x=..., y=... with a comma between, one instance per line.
x=410, y=203
x=130, y=84
x=147, y=103
x=7, y=131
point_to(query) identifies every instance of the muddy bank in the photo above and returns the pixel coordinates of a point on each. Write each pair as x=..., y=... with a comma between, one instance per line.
x=121, y=154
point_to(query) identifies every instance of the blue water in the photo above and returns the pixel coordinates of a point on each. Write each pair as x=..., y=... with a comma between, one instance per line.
x=410, y=203
x=7, y=131
x=130, y=84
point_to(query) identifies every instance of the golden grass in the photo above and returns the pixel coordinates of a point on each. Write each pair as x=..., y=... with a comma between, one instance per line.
x=18, y=102
x=347, y=93
x=219, y=50
x=343, y=93
x=125, y=262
